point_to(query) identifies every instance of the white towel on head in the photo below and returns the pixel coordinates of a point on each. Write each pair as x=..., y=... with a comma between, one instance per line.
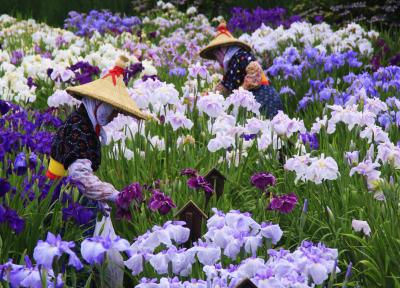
x=100, y=116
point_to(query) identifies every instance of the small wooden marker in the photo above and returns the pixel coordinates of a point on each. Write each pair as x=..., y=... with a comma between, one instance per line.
x=217, y=181
x=193, y=216
x=246, y=283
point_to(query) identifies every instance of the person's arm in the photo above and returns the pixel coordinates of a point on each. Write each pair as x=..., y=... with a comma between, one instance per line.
x=94, y=188
x=253, y=76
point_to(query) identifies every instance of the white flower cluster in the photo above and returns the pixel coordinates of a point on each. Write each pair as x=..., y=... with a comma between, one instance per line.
x=351, y=37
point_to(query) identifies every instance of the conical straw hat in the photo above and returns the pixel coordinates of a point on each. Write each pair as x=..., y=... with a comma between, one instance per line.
x=223, y=38
x=110, y=89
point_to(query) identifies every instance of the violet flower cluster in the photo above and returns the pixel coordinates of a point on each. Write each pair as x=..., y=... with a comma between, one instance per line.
x=29, y=275
x=293, y=64
x=197, y=182
x=130, y=194
x=246, y=20
x=229, y=236
x=102, y=22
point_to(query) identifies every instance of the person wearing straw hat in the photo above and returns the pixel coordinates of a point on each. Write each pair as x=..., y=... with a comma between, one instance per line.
x=76, y=146
x=241, y=69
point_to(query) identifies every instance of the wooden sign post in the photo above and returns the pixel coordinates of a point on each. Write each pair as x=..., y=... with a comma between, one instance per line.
x=193, y=216
x=246, y=283
x=217, y=181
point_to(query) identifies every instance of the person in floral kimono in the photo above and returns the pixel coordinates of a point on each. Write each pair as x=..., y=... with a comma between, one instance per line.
x=241, y=69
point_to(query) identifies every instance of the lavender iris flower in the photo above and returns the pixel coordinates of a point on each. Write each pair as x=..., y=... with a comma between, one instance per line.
x=45, y=251
x=16, y=57
x=93, y=249
x=178, y=71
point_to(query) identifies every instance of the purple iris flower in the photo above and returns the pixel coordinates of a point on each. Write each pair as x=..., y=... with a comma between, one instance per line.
x=4, y=107
x=84, y=72
x=395, y=60
x=248, y=137
x=262, y=180
x=319, y=18
x=199, y=182
x=159, y=201
x=284, y=203
x=45, y=251
x=20, y=165
x=178, y=71
x=131, y=71
x=11, y=217
x=5, y=186
x=152, y=77
x=132, y=192
x=16, y=57
x=30, y=82
x=77, y=213
x=310, y=139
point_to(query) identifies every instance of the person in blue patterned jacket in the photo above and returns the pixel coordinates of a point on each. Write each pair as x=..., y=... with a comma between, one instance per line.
x=241, y=69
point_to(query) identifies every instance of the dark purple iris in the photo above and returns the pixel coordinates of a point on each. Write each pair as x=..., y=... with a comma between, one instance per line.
x=160, y=202
x=395, y=60
x=189, y=172
x=152, y=77
x=262, y=180
x=319, y=18
x=131, y=193
x=250, y=20
x=199, y=182
x=248, y=137
x=11, y=217
x=153, y=34
x=4, y=107
x=84, y=72
x=284, y=203
x=5, y=186
x=131, y=71
x=30, y=82
x=77, y=213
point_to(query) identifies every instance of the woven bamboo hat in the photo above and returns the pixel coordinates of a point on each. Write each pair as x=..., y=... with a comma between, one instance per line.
x=223, y=38
x=111, y=89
